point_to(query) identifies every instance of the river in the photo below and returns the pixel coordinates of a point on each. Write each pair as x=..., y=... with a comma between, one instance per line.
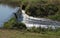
x=6, y=12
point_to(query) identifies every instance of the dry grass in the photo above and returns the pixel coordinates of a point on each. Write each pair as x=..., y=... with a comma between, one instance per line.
x=18, y=34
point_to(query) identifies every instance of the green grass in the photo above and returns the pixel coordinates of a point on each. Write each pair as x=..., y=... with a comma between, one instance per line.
x=18, y=34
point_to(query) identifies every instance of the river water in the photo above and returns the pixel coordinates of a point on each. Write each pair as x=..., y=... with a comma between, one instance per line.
x=5, y=13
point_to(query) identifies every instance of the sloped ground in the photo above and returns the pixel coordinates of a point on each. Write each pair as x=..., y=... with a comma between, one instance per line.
x=18, y=34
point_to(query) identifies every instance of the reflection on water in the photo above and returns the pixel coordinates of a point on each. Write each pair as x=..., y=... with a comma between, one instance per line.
x=6, y=12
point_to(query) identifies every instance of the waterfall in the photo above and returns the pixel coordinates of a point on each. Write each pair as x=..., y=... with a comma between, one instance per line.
x=30, y=21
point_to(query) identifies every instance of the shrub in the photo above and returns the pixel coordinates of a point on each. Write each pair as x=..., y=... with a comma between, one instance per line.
x=6, y=25
x=55, y=17
x=9, y=23
x=21, y=26
x=42, y=10
x=37, y=30
x=52, y=9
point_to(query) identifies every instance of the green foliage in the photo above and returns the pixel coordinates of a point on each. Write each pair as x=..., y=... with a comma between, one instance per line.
x=43, y=30
x=38, y=30
x=6, y=25
x=55, y=17
x=12, y=24
x=42, y=10
x=20, y=26
x=52, y=9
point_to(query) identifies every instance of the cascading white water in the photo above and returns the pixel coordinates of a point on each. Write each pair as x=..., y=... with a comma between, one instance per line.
x=38, y=22
x=28, y=20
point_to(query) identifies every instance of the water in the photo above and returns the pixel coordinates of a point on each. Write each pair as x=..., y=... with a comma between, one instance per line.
x=5, y=13
x=39, y=22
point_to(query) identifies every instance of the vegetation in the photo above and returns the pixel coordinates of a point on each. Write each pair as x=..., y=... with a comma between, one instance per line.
x=20, y=26
x=42, y=8
x=12, y=24
x=9, y=23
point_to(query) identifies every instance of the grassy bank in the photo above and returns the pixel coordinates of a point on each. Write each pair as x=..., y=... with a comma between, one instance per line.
x=18, y=34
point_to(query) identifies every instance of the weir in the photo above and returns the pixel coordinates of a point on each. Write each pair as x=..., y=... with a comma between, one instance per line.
x=30, y=21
